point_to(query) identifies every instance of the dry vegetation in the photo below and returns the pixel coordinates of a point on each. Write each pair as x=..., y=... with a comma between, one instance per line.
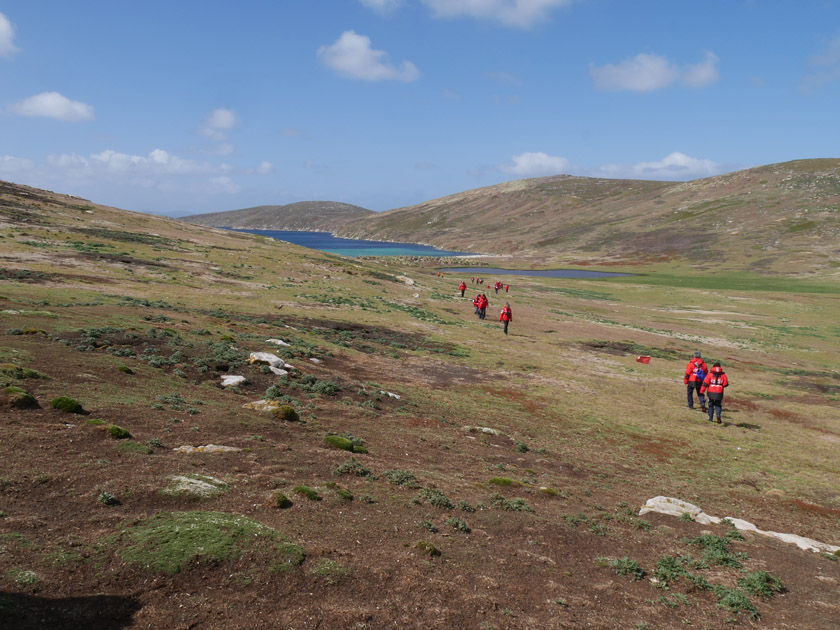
x=438, y=474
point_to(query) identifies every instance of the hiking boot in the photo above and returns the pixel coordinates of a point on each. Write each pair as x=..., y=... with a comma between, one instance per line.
x=703, y=408
x=718, y=420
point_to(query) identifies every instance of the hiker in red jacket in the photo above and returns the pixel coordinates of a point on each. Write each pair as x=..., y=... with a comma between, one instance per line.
x=714, y=383
x=695, y=372
x=477, y=302
x=506, y=316
x=483, y=303
x=462, y=287
x=498, y=286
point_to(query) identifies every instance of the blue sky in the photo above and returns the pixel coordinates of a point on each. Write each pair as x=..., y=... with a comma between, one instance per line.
x=192, y=106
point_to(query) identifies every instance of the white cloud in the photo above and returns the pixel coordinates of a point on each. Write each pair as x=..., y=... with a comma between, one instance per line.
x=219, y=122
x=53, y=105
x=703, y=73
x=111, y=163
x=518, y=13
x=223, y=185
x=828, y=62
x=265, y=168
x=7, y=34
x=504, y=77
x=351, y=56
x=535, y=165
x=675, y=166
x=383, y=7
x=642, y=73
x=11, y=165
x=645, y=73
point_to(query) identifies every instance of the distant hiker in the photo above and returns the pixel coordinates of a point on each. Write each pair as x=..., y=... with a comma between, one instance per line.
x=714, y=383
x=498, y=286
x=462, y=287
x=507, y=287
x=695, y=372
x=472, y=279
x=506, y=316
x=483, y=303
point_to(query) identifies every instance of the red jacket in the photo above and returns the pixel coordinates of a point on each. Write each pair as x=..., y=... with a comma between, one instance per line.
x=691, y=370
x=462, y=286
x=714, y=383
x=506, y=315
x=483, y=302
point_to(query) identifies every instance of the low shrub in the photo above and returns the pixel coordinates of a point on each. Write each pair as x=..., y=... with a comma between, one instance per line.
x=426, y=548
x=626, y=567
x=503, y=481
x=511, y=505
x=280, y=501
x=287, y=413
x=403, y=478
x=459, y=524
x=435, y=497
x=761, y=583
x=352, y=467
x=309, y=493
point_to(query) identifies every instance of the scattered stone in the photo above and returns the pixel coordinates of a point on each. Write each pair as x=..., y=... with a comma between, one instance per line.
x=314, y=360
x=406, y=280
x=198, y=486
x=279, y=342
x=487, y=430
x=676, y=507
x=265, y=406
x=207, y=448
x=229, y=380
x=390, y=394
x=278, y=371
x=266, y=358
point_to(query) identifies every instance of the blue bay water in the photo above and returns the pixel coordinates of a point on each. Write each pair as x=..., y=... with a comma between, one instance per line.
x=326, y=242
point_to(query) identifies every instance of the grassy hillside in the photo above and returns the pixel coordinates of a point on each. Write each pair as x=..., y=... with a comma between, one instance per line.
x=323, y=216
x=782, y=218
x=418, y=468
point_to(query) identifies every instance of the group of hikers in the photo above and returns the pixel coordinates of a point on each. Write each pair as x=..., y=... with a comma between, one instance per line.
x=704, y=382
x=699, y=379
x=480, y=302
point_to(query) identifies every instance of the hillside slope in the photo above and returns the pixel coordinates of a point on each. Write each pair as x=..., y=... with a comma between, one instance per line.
x=782, y=218
x=410, y=466
x=305, y=215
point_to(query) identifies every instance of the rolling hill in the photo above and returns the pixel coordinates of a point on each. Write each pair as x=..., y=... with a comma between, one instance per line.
x=322, y=216
x=781, y=218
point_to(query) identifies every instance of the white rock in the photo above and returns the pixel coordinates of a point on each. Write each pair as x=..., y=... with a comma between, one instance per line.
x=229, y=380
x=390, y=394
x=487, y=430
x=266, y=358
x=314, y=360
x=406, y=280
x=207, y=448
x=279, y=342
x=278, y=371
x=675, y=507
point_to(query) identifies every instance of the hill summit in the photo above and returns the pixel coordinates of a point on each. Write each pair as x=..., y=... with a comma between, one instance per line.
x=304, y=215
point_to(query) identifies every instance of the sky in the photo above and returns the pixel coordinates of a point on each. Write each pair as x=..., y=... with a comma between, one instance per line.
x=193, y=106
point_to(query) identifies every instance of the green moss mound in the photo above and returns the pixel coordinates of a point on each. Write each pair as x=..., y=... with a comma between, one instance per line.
x=287, y=413
x=171, y=542
x=118, y=433
x=345, y=444
x=17, y=397
x=66, y=404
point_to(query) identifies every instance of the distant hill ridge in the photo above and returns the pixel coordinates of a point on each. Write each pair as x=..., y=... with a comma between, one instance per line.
x=780, y=218
x=304, y=215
